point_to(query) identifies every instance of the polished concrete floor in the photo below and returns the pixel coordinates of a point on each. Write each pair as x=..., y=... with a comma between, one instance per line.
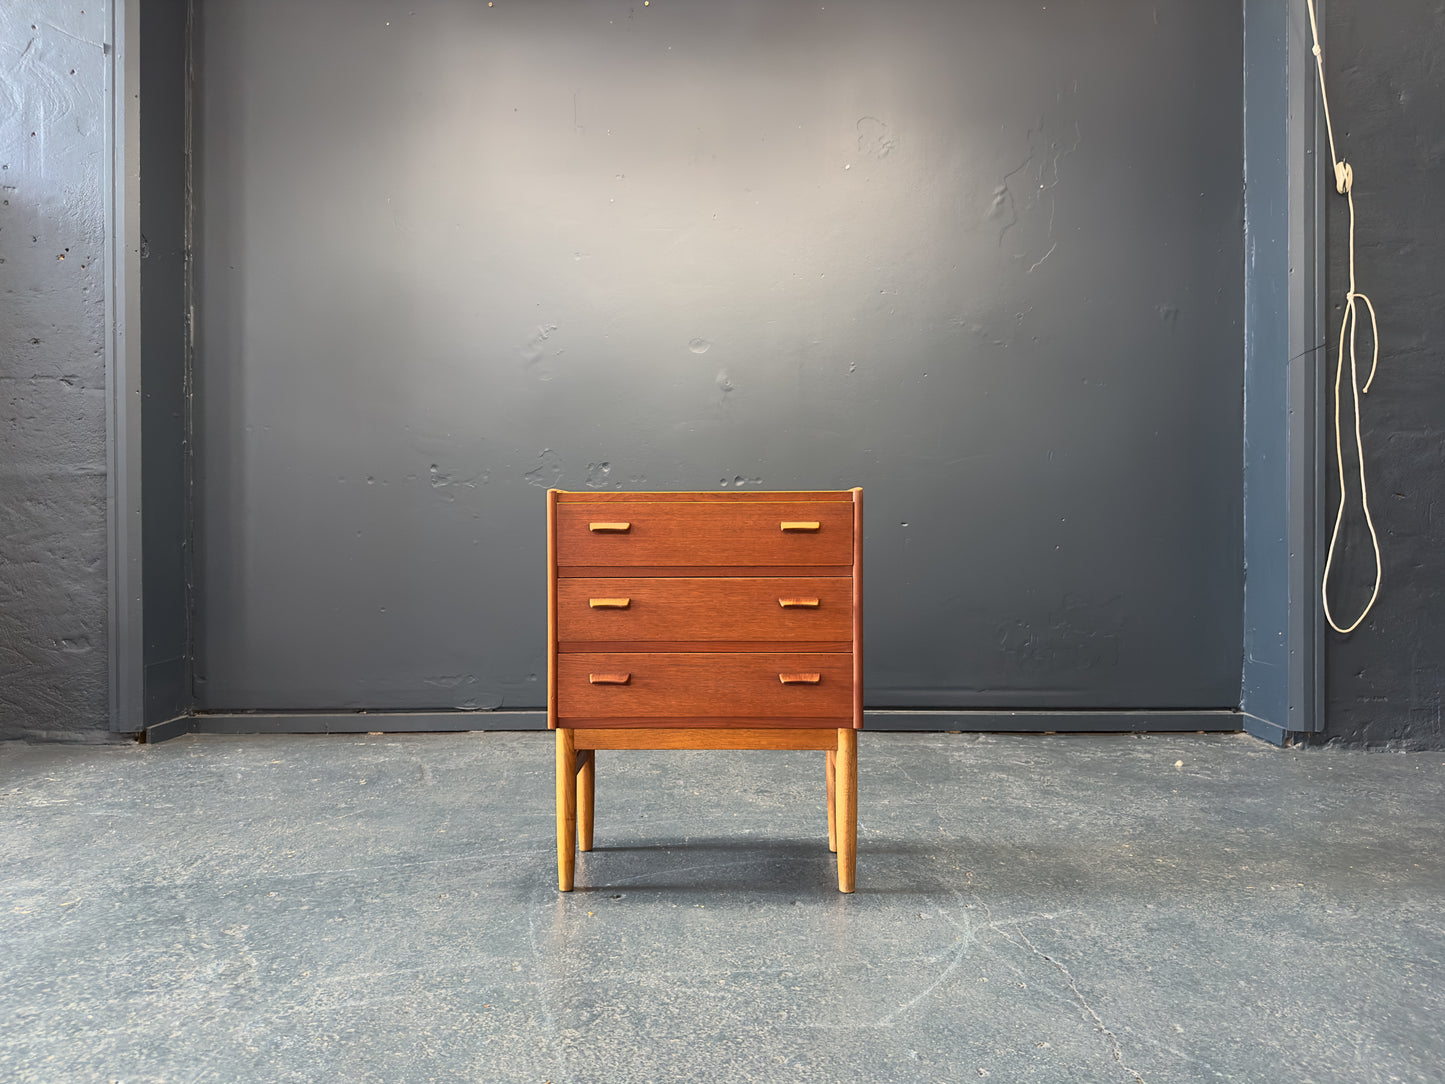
x=384, y=908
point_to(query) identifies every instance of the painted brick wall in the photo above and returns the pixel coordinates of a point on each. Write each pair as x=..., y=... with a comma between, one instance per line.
x=1386, y=65
x=52, y=371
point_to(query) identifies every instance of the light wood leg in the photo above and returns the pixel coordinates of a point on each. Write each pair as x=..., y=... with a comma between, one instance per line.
x=586, y=785
x=846, y=816
x=566, y=809
x=831, y=768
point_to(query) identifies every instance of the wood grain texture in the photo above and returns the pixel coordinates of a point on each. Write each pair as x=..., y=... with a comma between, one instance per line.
x=713, y=722
x=702, y=684
x=566, y=809
x=571, y=647
x=592, y=496
x=705, y=608
x=714, y=621
x=857, y=494
x=661, y=737
x=552, y=608
x=846, y=811
x=706, y=534
x=586, y=793
x=665, y=571
x=830, y=781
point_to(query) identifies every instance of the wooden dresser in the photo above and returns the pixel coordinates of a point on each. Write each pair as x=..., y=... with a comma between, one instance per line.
x=704, y=621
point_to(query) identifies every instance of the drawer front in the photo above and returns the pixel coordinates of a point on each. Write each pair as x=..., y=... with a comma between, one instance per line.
x=702, y=609
x=673, y=685
x=697, y=534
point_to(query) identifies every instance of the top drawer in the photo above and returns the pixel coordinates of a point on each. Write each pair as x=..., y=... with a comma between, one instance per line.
x=698, y=534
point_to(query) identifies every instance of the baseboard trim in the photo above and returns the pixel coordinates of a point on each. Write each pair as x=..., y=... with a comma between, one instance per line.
x=1273, y=733
x=414, y=722
x=1055, y=722
x=347, y=722
x=170, y=728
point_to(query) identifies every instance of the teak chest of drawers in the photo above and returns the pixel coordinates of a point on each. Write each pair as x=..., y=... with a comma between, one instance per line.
x=704, y=621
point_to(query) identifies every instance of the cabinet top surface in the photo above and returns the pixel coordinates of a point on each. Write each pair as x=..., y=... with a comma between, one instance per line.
x=564, y=496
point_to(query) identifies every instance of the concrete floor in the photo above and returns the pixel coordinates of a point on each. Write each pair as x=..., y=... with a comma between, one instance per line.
x=1073, y=909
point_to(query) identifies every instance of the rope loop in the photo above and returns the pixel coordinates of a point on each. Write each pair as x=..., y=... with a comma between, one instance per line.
x=1349, y=327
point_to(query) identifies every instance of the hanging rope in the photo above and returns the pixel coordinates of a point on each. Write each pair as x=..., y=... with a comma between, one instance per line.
x=1349, y=325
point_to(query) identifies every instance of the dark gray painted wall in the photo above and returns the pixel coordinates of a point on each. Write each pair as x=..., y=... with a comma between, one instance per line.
x=1386, y=64
x=1280, y=694
x=1266, y=344
x=1383, y=683
x=165, y=509
x=984, y=260
x=53, y=639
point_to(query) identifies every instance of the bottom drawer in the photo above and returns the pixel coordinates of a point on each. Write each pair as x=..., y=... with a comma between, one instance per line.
x=679, y=686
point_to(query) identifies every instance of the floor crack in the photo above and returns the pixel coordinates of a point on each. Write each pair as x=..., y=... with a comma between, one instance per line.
x=1114, y=1048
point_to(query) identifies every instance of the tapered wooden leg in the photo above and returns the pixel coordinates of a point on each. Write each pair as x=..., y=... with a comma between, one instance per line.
x=586, y=783
x=566, y=809
x=832, y=828
x=846, y=815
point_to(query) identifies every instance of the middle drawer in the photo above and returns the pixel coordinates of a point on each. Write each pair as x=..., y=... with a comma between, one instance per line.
x=704, y=609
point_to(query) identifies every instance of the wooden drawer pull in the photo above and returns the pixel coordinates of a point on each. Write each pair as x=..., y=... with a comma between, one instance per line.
x=800, y=525
x=789, y=603
x=619, y=527
x=609, y=679
x=800, y=679
x=609, y=603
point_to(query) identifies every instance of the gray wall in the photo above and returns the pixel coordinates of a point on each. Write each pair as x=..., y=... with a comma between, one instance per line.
x=1388, y=98
x=164, y=360
x=1280, y=698
x=984, y=260
x=53, y=624
x=1384, y=682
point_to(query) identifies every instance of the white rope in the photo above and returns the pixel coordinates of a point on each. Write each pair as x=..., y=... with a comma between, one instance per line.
x=1344, y=183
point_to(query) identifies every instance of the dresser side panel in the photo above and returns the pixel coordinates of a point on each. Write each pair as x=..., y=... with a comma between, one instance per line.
x=857, y=609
